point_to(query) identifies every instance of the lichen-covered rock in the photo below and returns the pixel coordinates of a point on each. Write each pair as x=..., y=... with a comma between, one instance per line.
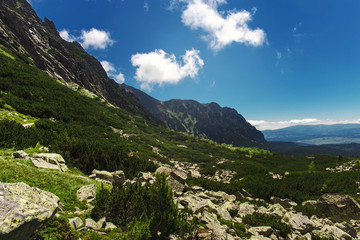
x=179, y=175
x=262, y=230
x=286, y=203
x=339, y=206
x=87, y=193
x=76, y=222
x=332, y=232
x=24, y=210
x=20, y=154
x=163, y=169
x=49, y=161
x=300, y=223
x=117, y=177
x=110, y=226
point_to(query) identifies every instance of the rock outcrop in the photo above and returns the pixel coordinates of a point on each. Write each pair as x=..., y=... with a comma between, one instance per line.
x=24, y=210
x=49, y=161
x=87, y=193
x=117, y=177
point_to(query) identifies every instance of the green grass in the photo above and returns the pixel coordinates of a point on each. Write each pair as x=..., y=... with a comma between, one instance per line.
x=63, y=185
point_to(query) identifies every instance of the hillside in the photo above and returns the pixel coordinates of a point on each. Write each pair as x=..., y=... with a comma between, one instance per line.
x=157, y=183
x=220, y=124
x=316, y=134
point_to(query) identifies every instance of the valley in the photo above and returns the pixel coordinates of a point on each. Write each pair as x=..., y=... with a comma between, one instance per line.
x=82, y=157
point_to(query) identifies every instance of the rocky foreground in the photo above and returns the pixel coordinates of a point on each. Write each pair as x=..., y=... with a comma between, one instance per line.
x=24, y=209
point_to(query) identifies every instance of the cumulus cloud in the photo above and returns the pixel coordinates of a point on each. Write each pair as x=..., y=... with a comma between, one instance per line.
x=95, y=38
x=112, y=72
x=159, y=67
x=64, y=34
x=265, y=125
x=221, y=29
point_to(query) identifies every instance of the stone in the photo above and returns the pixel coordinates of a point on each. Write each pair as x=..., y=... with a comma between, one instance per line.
x=195, y=174
x=286, y=203
x=24, y=210
x=20, y=154
x=331, y=232
x=110, y=226
x=300, y=223
x=246, y=209
x=90, y=223
x=346, y=227
x=339, y=206
x=179, y=175
x=219, y=231
x=163, y=169
x=309, y=203
x=102, y=222
x=76, y=222
x=263, y=230
x=223, y=213
x=175, y=185
x=117, y=177
x=87, y=192
x=49, y=161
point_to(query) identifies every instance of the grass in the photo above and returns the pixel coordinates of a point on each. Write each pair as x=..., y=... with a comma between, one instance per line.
x=63, y=185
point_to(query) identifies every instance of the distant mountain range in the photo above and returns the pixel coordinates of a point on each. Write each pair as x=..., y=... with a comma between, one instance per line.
x=316, y=134
x=220, y=124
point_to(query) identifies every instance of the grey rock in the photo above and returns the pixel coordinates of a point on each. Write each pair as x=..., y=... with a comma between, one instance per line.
x=76, y=222
x=163, y=169
x=175, y=185
x=24, y=210
x=246, y=209
x=265, y=231
x=339, y=206
x=117, y=177
x=332, y=232
x=300, y=223
x=179, y=175
x=90, y=223
x=286, y=203
x=20, y=154
x=110, y=226
x=49, y=161
x=346, y=227
x=87, y=193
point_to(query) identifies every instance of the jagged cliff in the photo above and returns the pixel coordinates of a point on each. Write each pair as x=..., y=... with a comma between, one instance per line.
x=23, y=31
x=220, y=124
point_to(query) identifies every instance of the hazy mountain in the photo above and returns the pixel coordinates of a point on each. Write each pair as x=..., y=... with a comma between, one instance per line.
x=220, y=124
x=316, y=134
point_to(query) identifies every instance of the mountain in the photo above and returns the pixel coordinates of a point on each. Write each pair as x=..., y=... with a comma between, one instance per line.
x=41, y=45
x=316, y=134
x=220, y=124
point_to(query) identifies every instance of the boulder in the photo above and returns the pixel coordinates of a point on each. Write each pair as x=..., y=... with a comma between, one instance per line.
x=339, y=206
x=117, y=177
x=110, y=226
x=175, y=185
x=24, y=210
x=286, y=203
x=246, y=209
x=346, y=227
x=195, y=174
x=265, y=231
x=179, y=175
x=87, y=193
x=49, y=161
x=163, y=169
x=90, y=223
x=219, y=231
x=20, y=154
x=300, y=223
x=331, y=232
x=76, y=222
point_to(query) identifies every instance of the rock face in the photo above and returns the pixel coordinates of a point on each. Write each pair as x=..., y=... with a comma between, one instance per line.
x=220, y=124
x=339, y=206
x=20, y=154
x=23, y=31
x=117, y=177
x=87, y=193
x=24, y=210
x=49, y=161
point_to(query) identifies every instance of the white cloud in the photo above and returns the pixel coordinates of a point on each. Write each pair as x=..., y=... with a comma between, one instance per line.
x=112, y=72
x=96, y=39
x=265, y=125
x=159, y=67
x=64, y=34
x=278, y=55
x=221, y=30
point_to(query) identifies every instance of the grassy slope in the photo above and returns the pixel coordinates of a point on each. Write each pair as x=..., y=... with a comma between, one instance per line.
x=79, y=122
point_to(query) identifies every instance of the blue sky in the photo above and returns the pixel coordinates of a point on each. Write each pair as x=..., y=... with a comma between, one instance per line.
x=278, y=63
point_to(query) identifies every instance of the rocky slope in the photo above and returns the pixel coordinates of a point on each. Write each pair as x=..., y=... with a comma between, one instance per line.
x=23, y=31
x=220, y=124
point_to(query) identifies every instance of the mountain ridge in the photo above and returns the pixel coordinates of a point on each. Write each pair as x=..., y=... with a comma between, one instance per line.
x=209, y=120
